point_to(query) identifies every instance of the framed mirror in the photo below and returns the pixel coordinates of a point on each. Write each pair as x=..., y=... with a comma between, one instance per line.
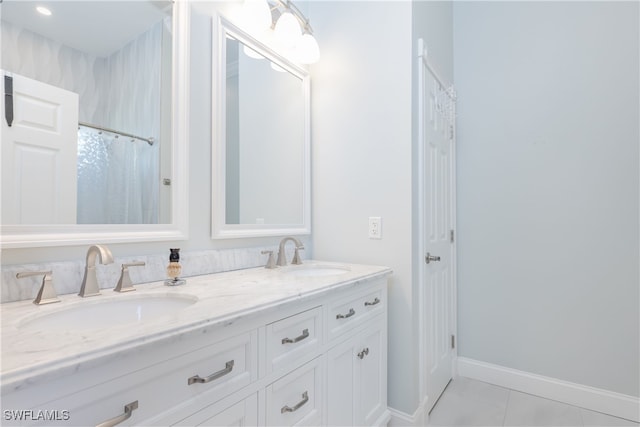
x=261, y=139
x=96, y=150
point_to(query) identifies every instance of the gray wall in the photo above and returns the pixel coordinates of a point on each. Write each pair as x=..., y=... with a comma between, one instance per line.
x=548, y=188
x=361, y=154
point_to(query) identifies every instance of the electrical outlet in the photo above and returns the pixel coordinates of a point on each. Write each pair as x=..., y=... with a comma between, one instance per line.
x=375, y=227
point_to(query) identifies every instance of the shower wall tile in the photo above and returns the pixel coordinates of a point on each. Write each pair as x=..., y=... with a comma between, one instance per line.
x=121, y=91
x=24, y=52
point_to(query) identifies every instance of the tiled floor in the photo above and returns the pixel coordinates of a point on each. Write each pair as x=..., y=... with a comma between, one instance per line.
x=468, y=402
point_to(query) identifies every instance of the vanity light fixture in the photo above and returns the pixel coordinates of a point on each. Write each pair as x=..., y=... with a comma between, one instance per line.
x=43, y=10
x=308, y=50
x=292, y=32
x=287, y=30
x=256, y=15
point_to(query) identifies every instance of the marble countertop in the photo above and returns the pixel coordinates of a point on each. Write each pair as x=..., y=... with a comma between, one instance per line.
x=221, y=298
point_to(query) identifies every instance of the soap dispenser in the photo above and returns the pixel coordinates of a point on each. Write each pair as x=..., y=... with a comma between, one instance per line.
x=174, y=269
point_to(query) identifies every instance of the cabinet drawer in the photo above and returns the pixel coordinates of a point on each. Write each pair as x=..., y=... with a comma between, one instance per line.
x=162, y=386
x=293, y=338
x=296, y=398
x=343, y=316
x=242, y=413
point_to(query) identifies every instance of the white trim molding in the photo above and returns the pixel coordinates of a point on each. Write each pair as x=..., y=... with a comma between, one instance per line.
x=419, y=418
x=595, y=399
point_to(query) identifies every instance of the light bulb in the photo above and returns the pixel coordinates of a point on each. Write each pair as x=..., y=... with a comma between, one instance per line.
x=307, y=50
x=43, y=10
x=287, y=31
x=256, y=15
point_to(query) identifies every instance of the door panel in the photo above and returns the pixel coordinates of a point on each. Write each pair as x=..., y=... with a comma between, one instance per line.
x=39, y=154
x=438, y=222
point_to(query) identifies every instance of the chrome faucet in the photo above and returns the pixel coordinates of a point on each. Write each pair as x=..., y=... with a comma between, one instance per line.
x=282, y=258
x=90, y=281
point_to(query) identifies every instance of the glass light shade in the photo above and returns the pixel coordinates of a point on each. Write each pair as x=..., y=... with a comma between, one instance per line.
x=307, y=50
x=256, y=15
x=287, y=31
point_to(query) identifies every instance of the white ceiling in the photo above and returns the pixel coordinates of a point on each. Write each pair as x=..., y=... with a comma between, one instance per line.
x=97, y=27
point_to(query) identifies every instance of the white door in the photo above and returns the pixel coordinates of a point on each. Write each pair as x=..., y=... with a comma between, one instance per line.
x=39, y=152
x=438, y=296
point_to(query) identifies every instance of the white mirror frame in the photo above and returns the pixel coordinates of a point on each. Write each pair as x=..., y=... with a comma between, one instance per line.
x=27, y=236
x=221, y=230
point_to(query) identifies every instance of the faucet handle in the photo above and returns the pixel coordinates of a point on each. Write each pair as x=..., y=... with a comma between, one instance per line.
x=47, y=293
x=125, y=284
x=271, y=263
x=296, y=256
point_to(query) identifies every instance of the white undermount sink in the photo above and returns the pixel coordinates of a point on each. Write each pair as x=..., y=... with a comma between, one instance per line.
x=124, y=310
x=315, y=270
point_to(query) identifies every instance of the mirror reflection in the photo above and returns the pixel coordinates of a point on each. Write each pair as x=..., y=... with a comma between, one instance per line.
x=90, y=140
x=265, y=139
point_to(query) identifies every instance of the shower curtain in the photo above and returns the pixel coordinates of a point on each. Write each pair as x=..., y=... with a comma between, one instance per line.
x=118, y=179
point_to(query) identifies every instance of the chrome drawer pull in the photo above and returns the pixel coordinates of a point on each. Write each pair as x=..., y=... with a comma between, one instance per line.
x=198, y=379
x=305, y=334
x=305, y=399
x=346, y=316
x=128, y=409
x=374, y=302
x=363, y=353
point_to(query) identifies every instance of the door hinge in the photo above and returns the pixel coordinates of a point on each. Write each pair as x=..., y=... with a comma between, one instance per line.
x=451, y=132
x=8, y=99
x=453, y=341
x=452, y=236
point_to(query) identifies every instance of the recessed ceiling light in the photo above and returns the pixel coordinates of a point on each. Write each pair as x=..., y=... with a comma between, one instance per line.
x=43, y=10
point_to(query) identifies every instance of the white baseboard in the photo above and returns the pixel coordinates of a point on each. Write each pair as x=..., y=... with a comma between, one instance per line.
x=401, y=419
x=595, y=399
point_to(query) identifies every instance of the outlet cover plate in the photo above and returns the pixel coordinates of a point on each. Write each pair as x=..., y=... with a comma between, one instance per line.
x=375, y=227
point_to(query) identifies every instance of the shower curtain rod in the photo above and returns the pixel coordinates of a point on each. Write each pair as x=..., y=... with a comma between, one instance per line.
x=149, y=140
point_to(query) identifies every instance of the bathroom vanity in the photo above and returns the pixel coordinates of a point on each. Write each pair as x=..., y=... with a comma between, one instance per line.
x=296, y=345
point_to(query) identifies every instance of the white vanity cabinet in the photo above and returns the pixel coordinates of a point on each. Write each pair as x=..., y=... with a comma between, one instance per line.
x=100, y=394
x=357, y=374
x=317, y=360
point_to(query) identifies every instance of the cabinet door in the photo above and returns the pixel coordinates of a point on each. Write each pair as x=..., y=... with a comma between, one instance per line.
x=357, y=378
x=371, y=376
x=341, y=366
